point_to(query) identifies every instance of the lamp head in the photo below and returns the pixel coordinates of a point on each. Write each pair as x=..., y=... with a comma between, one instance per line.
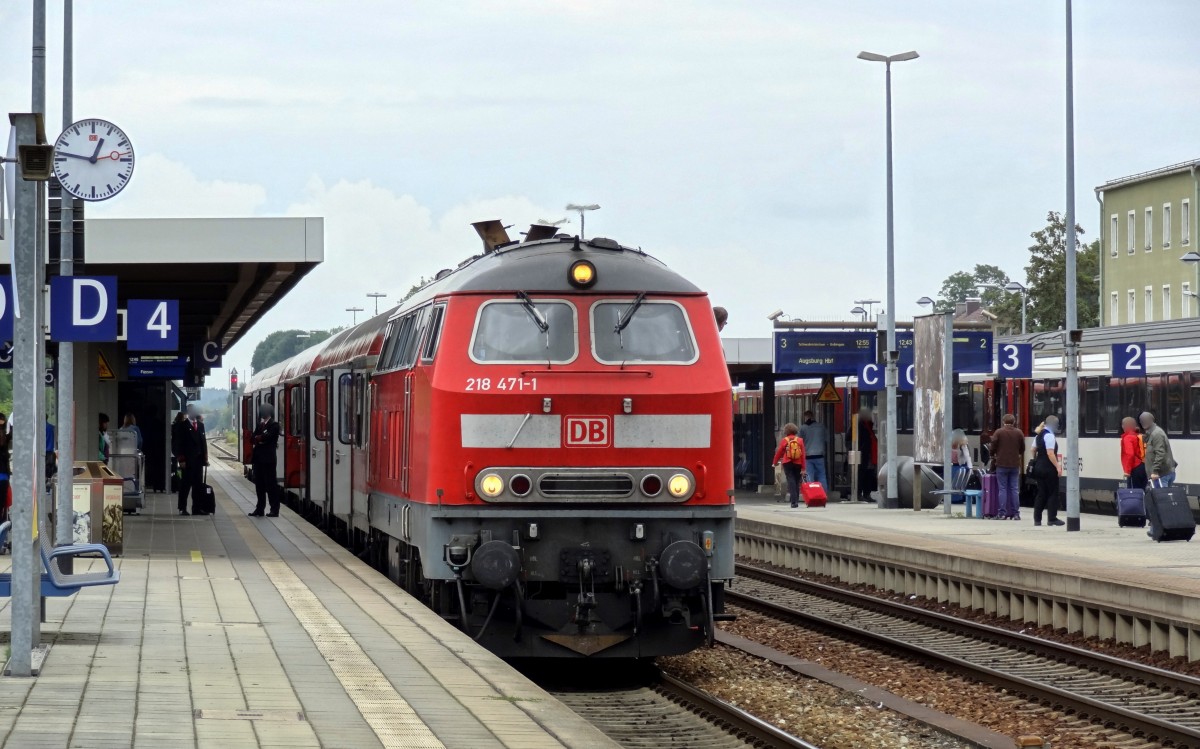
x=925, y=301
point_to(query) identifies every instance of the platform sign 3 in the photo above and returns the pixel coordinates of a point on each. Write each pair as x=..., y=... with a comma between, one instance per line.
x=1015, y=361
x=209, y=355
x=6, y=308
x=83, y=308
x=1129, y=360
x=152, y=325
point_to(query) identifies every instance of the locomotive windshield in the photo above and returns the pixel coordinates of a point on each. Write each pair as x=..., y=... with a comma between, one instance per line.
x=657, y=332
x=508, y=332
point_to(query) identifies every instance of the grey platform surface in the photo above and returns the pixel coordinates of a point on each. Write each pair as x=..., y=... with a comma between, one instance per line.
x=230, y=631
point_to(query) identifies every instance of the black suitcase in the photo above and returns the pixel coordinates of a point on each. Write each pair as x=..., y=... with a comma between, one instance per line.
x=1169, y=513
x=207, y=499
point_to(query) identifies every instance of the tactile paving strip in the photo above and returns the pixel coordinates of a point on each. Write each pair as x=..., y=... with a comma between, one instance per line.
x=389, y=715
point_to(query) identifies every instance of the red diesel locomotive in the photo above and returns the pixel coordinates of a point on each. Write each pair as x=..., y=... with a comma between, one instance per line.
x=536, y=444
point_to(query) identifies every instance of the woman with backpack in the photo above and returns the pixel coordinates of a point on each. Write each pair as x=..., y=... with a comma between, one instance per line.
x=791, y=455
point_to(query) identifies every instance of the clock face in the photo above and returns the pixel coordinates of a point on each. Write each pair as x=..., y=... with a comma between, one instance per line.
x=93, y=159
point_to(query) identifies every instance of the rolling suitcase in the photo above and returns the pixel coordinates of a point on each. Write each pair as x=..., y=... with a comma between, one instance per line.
x=1131, y=508
x=208, y=500
x=991, y=495
x=1169, y=513
x=813, y=494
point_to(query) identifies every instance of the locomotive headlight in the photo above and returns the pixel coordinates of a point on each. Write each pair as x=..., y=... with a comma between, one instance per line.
x=583, y=274
x=491, y=485
x=679, y=485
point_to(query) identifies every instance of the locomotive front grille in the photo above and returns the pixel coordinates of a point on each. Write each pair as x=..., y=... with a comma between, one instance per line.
x=590, y=485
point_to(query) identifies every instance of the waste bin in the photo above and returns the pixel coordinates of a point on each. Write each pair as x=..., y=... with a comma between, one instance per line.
x=97, y=501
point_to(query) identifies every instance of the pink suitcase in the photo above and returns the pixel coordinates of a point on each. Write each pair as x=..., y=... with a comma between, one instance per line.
x=991, y=495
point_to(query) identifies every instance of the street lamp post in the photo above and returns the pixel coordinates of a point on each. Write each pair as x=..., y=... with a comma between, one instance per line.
x=1071, y=344
x=891, y=499
x=1013, y=287
x=869, y=304
x=1193, y=259
x=581, y=209
x=859, y=311
x=376, y=295
x=354, y=314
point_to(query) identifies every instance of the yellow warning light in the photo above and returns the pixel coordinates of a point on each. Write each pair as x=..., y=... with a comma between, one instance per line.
x=583, y=274
x=679, y=485
x=491, y=485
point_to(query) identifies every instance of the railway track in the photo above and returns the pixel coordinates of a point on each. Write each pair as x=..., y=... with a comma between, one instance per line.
x=670, y=714
x=1144, y=701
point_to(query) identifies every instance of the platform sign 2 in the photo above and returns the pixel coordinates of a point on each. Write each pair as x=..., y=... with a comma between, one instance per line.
x=1015, y=361
x=822, y=352
x=972, y=351
x=83, y=308
x=152, y=325
x=1129, y=360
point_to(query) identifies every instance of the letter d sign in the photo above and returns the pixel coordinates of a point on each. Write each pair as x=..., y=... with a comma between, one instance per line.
x=83, y=308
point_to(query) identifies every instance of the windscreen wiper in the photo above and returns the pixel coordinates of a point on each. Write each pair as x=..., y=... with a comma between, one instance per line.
x=535, y=314
x=630, y=311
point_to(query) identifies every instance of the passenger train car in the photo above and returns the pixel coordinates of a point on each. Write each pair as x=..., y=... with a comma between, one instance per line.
x=536, y=444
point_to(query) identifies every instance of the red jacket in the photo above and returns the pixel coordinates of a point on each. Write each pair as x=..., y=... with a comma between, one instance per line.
x=781, y=452
x=1133, y=451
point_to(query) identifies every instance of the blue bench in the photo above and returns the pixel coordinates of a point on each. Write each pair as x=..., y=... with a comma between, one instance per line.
x=56, y=583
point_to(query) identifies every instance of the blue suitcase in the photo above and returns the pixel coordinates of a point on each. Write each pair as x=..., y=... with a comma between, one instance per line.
x=1131, y=508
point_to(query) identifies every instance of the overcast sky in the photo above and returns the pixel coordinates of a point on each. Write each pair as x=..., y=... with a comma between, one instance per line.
x=742, y=143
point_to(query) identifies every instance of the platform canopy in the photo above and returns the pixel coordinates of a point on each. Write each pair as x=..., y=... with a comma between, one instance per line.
x=225, y=272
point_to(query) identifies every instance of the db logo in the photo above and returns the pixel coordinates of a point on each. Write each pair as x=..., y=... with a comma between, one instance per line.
x=589, y=431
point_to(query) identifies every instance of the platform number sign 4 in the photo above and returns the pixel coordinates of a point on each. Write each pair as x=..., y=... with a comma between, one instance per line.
x=1015, y=361
x=152, y=325
x=1129, y=360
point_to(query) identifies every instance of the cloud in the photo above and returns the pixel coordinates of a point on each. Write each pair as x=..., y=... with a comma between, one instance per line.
x=162, y=188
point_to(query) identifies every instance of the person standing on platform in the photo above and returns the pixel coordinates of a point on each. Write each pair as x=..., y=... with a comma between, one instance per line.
x=1133, y=454
x=1160, y=461
x=1007, y=449
x=868, y=448
x=722, y=316
x=265, y=441
x=1047, y=469
x=790, y=454
x=5, y=448
x=815, y=437
x=188, y=444
x=105, y=447
x=130, y=423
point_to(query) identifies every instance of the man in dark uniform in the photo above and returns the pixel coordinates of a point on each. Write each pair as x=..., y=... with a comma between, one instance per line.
x=265, y=441
x=187, y=442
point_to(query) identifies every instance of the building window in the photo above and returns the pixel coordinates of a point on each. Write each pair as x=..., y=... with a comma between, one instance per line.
x=1148, y=229
x=1131, y=306
x=1113, y=240
x=1166, y=225
x=1185, y=222
x=1185, y=299
x=1114, y=309
x=1131, y=230
x=1166, y=296
x=1149, y=304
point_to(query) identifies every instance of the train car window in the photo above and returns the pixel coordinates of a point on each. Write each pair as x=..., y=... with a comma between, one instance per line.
x=296, y=411
x=1194, y=405
x=507, y=331
x=977, y=399
x=321, y=409
x=435, y=333
x=1135, y=397
x=345, y=409
x=1176, y=403
x=360, y=410
x=270, y=396
x=1092, y=412
x=1154, y=394
x=904, y=411
x=1110, y=389
x=962, y=407
x=389, y=343
x=408, y=357
x=657, y=332
x=402, y=332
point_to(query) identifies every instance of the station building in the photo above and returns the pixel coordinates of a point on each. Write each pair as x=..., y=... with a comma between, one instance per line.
x=1149, y=224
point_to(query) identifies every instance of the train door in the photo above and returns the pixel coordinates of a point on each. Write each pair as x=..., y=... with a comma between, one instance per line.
x=361, y=476
x=249, y=420
x=319, y=440
x=295, y=465
x=275, y=397
x=406, y=440
x=338, y=481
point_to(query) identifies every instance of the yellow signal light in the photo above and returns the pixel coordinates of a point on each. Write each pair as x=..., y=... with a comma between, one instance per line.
x=491, y=485
x=583, y=274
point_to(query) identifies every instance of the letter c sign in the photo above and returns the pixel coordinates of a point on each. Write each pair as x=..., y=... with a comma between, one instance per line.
x=83, y=308
x=870, y=378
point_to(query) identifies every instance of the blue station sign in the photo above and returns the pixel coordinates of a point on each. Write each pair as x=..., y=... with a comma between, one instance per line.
x=972, y=351
x=818, y=352
x=158, y=367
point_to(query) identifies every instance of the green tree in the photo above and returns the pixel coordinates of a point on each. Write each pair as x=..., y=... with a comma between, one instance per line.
x=960, y=286
x=1046, y=276
x=415, y=288
x=284, y=344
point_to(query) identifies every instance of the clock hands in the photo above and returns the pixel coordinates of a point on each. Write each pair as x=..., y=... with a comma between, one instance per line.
x=99, y=145
x=115, y=155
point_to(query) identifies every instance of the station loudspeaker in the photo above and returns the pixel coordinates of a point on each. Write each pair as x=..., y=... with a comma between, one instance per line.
x=37, y=162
